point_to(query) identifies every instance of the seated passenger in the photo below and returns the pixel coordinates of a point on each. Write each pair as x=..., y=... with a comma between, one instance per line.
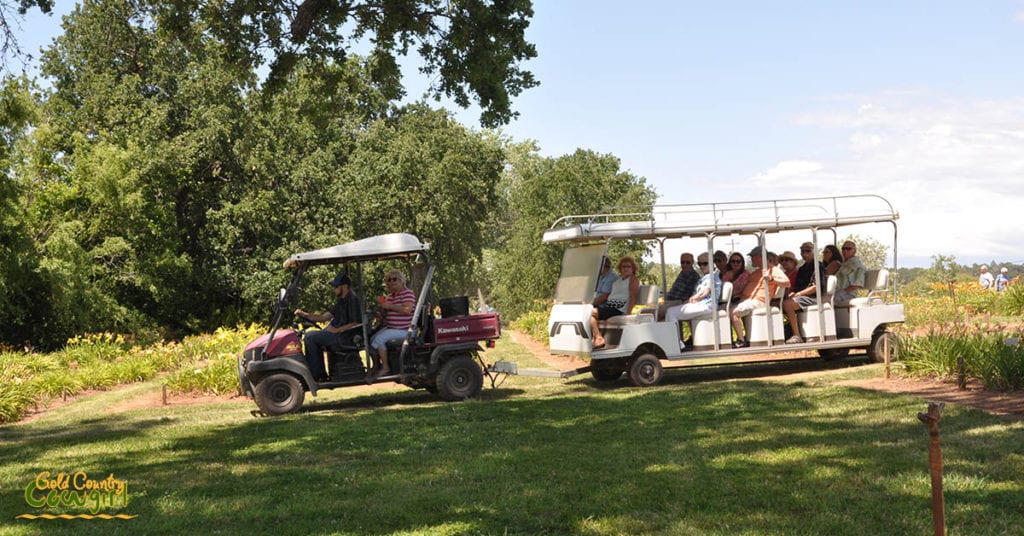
x=721, y=261
x=605, y=279
x=620, y=301
x=753, y=294
x=345, y=314
x=737, y=274
x=804, y=293
x=787, y=261
x=831, y=258
x=851, y=275
x=683, y=287
x=397, y=310
x=702, y=301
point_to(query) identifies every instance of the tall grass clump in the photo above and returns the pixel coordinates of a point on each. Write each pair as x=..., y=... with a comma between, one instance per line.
x=211, y=364
x=1011, y=301
x=15, y=392
x=1001, y=367
x=996, y=359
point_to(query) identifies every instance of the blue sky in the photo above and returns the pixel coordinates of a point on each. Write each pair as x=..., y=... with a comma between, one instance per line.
x=921, y=102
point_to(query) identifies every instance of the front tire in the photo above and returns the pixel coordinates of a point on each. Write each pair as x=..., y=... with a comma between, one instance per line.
x=460, y=378
x=645, y=371
x=279, y=394
x=876, y=352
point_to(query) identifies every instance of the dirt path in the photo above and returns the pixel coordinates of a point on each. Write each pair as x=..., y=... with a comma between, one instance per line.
x=1011, y=403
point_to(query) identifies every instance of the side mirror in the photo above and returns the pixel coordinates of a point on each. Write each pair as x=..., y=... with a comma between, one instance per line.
x=282, y=301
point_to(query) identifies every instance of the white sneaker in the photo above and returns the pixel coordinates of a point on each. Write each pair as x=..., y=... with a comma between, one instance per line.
x=795, y=339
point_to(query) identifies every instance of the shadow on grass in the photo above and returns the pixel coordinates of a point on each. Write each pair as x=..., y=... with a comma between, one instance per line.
x=718, y=458
x=396, y=399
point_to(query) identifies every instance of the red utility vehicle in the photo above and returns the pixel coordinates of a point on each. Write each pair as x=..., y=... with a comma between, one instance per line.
x=441, y=355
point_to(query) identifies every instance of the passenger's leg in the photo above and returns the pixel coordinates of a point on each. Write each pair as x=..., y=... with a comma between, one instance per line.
x=672, y=316
x=379, y=343
x=790, y=307
x=597, y=340
x=742, y=309
x=315, y=342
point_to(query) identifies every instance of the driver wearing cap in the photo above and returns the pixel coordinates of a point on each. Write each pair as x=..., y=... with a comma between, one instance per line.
x=342, y=317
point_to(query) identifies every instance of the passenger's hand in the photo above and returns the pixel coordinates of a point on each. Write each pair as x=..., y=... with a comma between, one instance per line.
x=300, y=313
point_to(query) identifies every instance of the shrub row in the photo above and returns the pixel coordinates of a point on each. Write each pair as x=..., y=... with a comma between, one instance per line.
x=202, y=363
x=994, y=359
x=936, y=304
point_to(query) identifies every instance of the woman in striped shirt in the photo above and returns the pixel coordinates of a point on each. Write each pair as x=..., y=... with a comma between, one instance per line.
x=397, y=308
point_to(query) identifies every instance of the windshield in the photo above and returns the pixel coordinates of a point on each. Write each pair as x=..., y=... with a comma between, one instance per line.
x=580, y=269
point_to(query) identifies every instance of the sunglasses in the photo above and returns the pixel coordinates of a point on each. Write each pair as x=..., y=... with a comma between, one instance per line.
x=701, y=263
x=847, y=248
x=685, y=262
x=736, y=261
x=806, y=250
x=392, y=279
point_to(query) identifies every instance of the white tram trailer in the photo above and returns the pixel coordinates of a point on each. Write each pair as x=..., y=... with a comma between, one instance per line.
x=637, y=343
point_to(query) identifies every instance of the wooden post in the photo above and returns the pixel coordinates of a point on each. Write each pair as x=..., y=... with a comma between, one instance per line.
x=961, y=373
x=165, y=394
x=956, y=310
x=931, y=420
x=885, y=352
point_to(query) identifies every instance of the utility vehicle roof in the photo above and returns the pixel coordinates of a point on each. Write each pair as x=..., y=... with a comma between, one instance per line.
x=741, y=217
x=388, y=246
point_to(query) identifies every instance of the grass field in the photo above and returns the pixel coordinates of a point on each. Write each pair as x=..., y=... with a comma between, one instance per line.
x=535, y=456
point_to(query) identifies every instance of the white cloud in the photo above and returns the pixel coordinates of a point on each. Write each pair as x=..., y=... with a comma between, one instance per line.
x=1019, y=16
x=952, y=167
x=789, y=171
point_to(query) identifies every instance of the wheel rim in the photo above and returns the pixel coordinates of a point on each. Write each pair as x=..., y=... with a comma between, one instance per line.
x=647, y=371
x=459, y=380
x=280, y=393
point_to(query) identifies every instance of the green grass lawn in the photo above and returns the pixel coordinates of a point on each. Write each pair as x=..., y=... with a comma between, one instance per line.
x=535, y=456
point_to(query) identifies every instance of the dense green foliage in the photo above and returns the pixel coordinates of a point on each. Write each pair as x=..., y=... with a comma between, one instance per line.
x=473, y=47
x=157, y=184
x=539, y=191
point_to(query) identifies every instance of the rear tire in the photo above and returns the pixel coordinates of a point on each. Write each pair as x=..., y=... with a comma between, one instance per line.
x=279, y=394
x=645, y=371
x=460, y=378
x=876, y=352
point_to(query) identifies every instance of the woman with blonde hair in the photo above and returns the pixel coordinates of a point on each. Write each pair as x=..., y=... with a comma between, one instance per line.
x=397, y=310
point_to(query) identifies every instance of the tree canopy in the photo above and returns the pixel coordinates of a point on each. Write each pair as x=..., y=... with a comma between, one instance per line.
x=157, y=184
x=539, y=191
x=473, y=49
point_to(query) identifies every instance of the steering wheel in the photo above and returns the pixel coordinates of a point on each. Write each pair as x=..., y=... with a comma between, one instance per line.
x=303, y=325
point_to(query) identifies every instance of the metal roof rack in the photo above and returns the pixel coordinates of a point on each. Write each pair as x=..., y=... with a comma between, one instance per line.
x=738, y=217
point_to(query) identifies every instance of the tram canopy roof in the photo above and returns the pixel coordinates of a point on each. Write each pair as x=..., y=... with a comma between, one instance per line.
x=395, y=245
x=738, y=217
